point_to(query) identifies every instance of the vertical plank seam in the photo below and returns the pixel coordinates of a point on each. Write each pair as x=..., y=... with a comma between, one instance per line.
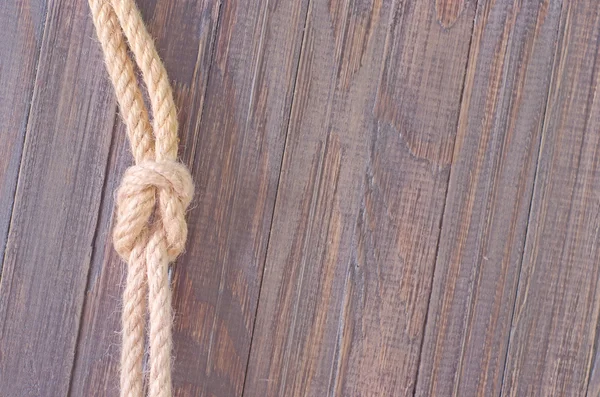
x=230, y=199
x=441, y=221
x=333, y=385
x=285, y=145
x=316, y=194
x=234, y=198
x=596, y=333
x=587, y=113
x=32, y=97
x=528, y=231
x=212, y=51
x=489, y=191
x=334, y=376
x=93, y=251
x=307, y=234
x=590, y=102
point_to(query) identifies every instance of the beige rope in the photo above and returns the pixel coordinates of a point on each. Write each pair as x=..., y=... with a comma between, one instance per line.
x=150, y=229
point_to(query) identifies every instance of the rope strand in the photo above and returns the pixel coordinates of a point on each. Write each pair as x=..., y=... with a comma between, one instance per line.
x=156, y=188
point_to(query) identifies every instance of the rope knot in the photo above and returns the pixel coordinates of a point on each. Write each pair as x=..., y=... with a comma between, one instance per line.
x=162, y=189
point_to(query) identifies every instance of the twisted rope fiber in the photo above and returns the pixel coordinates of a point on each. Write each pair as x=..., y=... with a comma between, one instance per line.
x=150, y=228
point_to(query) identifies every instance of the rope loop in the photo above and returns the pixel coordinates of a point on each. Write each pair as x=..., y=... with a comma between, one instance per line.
x=150, y=228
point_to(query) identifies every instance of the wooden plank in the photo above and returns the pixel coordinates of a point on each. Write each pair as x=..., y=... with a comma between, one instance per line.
x=552, y=346
x=233, y=107
x=236, y=164
x=96, y=368
x=361, y=195
x=22, y=26
x=58, y=194
x=487, y=206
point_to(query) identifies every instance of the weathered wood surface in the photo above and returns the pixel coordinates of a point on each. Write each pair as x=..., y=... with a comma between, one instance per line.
x=393, y=198
x=487, y=204
x=552, y=344
x=53, y=223
x=360, y=198
x=23, y=22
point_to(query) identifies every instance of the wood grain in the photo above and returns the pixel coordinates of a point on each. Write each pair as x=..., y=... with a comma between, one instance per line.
x=48, y=251
x=487, y=204
x=237, y=163
x=361, y=194
x=239, y=143
x=22, y=25
x=552, y=339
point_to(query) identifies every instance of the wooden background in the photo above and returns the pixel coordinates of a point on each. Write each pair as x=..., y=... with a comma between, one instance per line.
x=393, y=198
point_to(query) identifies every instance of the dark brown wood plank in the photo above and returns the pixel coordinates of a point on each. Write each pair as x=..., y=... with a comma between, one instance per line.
x=22, y=26
x=489, y=195
x=48, y=251
x=236, y=165
x=186, y=51
x=556, y=314
x=361, y=195
x=234, y=100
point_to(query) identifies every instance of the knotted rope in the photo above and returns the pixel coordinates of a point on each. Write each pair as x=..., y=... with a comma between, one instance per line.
x=150, y=229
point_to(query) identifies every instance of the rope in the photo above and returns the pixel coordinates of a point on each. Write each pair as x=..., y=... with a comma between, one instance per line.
x=150, y=228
